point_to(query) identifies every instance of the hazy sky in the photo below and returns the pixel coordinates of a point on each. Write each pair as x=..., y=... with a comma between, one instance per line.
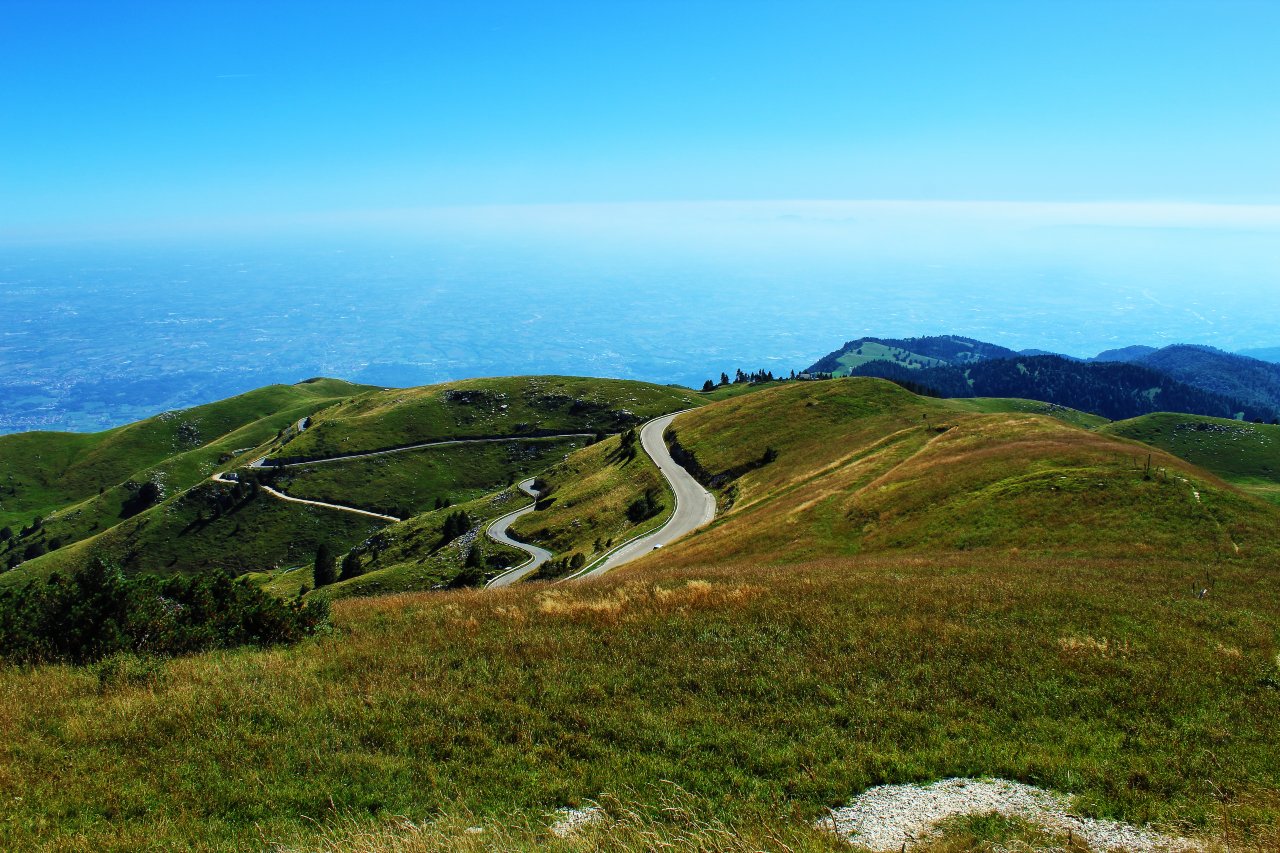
x=193, y=114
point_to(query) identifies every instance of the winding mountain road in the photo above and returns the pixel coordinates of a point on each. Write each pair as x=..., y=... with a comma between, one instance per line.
x=276, y=493
x=497, y=531
x=695, y=506
x=262, y=461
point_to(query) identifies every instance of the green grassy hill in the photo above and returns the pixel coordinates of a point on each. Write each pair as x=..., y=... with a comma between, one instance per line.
x=863, y=466
x=42, y=471
x=68, y=477
x=210, y=526
x=1245, y=454
x=84, y=484
x=510, y=406
x=896, y=589
x=412, y=556
x=406, y=484
x=908, y=353
x=587, y=500
x=587, y=493
x=992, y=405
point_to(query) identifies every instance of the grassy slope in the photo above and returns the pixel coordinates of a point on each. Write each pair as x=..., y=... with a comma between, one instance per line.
x=992, y=405
x=879, y=352
x=116, y=450
x=42, y=471
x=758, y=690
x=162, y=539
x=591, y=490
x=408, y=556
x=1245, y=454
x=260, y=533
x=736, y=389
x=485, y=407
x=1066, y=647
x=409, y=483
x=590, y=493
x=864, y=465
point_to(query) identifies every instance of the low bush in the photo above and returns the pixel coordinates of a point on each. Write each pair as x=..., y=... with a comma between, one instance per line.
x=98, y=612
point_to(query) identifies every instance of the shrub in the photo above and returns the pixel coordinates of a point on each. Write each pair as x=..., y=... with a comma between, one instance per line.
x=98, y=612
x=143, y=497
x=455, y=524
x=128, y=670
x=645, y=507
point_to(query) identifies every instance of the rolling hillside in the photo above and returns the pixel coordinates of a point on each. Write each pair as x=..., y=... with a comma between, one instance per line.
x=41, y=472
x=525, y=406
x=896, y=589
x=1249, y=379
x=410, y=483
x=1244, y=454
x=81, y=485
x=1114, y=390
x=863, y=466
x=190, y=524
x=909, y=353
x=1193, y=379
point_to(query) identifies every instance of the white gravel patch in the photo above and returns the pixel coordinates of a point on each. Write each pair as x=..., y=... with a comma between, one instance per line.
x=569, y=821
x=897, y=817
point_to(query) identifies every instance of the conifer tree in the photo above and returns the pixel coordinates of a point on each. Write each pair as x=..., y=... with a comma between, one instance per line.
x=325, y=571
x=351, y=567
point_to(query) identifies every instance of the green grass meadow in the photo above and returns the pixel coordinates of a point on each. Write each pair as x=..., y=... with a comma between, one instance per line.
x=905, y=589
x=757, y=690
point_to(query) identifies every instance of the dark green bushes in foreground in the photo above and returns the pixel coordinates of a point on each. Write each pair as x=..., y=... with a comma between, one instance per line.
x=98, y=612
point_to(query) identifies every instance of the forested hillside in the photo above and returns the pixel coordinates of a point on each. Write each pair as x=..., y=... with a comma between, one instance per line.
x=1248, y=379
x=1115, y=390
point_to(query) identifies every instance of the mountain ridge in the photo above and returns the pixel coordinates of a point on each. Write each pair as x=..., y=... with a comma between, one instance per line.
x=1230, y=385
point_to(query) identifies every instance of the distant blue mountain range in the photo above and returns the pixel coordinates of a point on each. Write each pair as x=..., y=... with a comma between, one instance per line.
x=1117, y=383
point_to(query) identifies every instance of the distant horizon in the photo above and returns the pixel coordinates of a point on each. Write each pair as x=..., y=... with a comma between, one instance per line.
x=713, y=373
x=1118, y=213
x=218, y=194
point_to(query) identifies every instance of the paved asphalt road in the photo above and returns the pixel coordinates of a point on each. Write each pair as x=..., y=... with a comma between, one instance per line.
x=276, y=493
x=695, y=506
x=264, y=462
x=498, y=532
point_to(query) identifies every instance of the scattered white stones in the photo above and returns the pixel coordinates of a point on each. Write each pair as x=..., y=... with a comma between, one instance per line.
x=897, y=817
x=569, y=821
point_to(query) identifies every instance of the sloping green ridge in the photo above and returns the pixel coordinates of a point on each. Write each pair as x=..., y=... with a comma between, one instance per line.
x=1244, y=454
x=484, y=408
x=42, y=471
x=950, y=479
x=191, y=529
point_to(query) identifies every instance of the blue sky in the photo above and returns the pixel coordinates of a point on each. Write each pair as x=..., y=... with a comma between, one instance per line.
x=171, y=115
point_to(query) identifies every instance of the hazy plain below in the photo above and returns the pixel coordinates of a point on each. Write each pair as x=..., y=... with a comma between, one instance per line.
x=98, y=333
